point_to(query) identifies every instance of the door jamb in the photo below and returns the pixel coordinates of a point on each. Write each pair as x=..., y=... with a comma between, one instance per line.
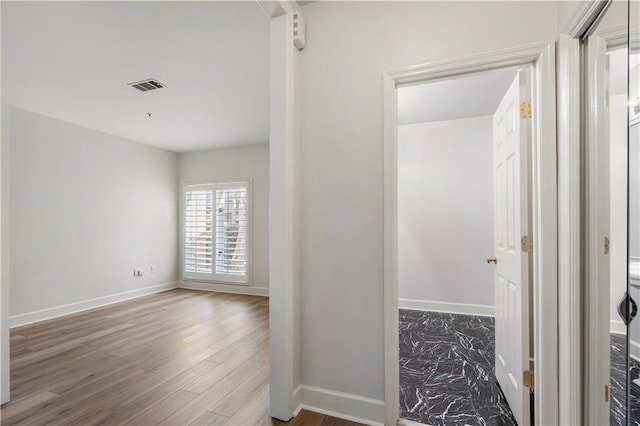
x=542, y=57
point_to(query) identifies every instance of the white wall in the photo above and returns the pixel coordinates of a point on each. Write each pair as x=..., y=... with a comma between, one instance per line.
x=350, y=45
x=445, y=211
x=85, y=209
x=248, y=162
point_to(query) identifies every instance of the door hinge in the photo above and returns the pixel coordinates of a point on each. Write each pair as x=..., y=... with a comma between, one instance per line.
x=525, y=109
x=528, y=379
x=527, y=244
x=606, y=393
x=606, y=245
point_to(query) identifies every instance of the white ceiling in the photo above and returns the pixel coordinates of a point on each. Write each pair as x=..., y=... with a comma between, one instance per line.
x=468, y=96
x=73, y=60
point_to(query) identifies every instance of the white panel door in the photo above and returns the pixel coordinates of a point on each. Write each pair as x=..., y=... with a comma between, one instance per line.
x=510, y=185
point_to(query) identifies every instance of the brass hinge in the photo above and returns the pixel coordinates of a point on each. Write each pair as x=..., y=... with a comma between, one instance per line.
x=528, y=379
x=525, y=109
x=606, y=393
x=606, y=245
x=527, y=244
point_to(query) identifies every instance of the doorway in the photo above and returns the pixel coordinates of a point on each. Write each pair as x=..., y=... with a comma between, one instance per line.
x=542, y=267
x=447, y=207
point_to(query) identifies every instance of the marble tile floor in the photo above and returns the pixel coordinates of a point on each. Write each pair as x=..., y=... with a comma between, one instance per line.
x=447, y=370
x=447, y=374
x=618, y=402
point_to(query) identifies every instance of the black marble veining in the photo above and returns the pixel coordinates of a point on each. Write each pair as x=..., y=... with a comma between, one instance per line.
x=618, y=382
x=447, y=370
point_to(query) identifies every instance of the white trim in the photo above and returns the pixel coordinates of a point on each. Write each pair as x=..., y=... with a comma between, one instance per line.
x=582, y=17
x=598, y=322
x=297, y=395
x=342, y=405
x=569, y=228
x=450, y=308
x=224, y=288
x=542, y=56
x=617, y=327
x=634, y=350
x=85, y=305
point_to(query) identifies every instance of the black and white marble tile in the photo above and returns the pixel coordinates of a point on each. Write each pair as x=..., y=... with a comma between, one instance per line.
x=618, y=382
x=447, y=370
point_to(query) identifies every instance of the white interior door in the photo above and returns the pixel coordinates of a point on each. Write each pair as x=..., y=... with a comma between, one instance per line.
x=511, y=135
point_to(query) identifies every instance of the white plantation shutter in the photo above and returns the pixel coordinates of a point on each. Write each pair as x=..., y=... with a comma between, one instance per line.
x=217, y=232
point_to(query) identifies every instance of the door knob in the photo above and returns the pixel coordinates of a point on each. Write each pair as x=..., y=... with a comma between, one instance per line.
x=627, y=308
x=492, y=259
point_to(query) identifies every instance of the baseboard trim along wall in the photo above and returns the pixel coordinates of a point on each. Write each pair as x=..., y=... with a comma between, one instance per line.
x=634, y=350
x=617, y=327
x=450, y=308
x=225, y=288
x=342, y=405
x=85, y=305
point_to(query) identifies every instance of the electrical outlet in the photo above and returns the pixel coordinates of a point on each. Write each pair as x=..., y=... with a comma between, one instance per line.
x=154, y=268
x=137, y=272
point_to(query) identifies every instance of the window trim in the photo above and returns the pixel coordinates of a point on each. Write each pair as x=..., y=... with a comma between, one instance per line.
x=247, y=279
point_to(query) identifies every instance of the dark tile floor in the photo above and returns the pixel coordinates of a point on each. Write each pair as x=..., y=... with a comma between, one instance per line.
x=447, y=370
x=618, y=385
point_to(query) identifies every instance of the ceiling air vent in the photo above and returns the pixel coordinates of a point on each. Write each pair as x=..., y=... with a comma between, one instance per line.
x=146, y=85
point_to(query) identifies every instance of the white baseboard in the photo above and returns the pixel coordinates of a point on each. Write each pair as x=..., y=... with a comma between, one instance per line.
x=85, y=305
x=450, y=308
x=297, y=394
x=225, y=288
x=617, y=327
x=342, y=405
x=634, y=350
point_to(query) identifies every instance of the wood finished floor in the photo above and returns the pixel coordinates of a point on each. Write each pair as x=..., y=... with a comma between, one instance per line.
x=181, y=357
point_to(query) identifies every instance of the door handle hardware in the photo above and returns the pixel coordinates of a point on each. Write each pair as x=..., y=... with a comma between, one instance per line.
x=492, y=259
x=627, y=308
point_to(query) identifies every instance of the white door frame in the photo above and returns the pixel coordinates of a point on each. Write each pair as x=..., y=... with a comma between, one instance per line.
x=570, y=214
x=597, y=322
x=544, y=184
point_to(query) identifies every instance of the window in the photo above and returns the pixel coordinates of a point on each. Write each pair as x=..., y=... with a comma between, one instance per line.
x=217, y=232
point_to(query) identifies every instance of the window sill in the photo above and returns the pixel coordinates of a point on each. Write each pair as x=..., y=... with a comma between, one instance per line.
x=202, y=280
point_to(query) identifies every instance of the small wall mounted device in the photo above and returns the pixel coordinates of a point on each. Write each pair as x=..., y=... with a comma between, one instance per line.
x=299, y=37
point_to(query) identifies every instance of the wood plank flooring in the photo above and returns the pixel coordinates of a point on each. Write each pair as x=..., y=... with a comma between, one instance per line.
x=180, y=357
